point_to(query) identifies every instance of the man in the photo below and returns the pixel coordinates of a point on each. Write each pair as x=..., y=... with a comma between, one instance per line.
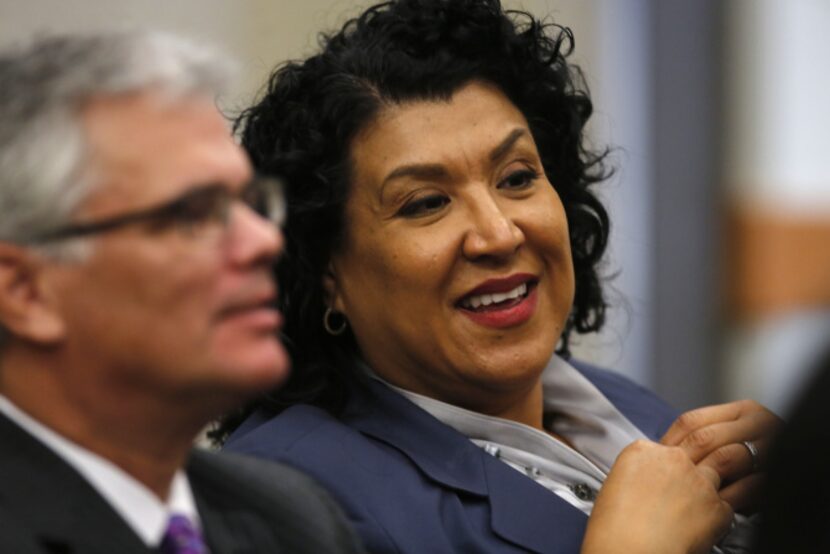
x=136, y=305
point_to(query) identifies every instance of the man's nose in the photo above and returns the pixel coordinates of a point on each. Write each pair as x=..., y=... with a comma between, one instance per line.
x=253, y=238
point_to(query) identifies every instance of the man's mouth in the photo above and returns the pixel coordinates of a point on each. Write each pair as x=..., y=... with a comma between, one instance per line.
x=255, y=308
x=250, y=306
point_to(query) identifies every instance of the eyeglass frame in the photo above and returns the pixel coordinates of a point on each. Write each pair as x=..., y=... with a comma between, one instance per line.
x=170, y=213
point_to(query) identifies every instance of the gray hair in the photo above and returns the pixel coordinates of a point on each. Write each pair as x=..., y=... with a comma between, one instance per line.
x=43, y=85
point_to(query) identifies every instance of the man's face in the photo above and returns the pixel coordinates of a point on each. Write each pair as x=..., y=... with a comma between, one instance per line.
x=177, y=312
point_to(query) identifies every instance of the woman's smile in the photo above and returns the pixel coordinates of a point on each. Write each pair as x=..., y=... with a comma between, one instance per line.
x=501, y=302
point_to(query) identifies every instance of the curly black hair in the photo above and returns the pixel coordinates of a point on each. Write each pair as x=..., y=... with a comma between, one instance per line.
x=302, y=128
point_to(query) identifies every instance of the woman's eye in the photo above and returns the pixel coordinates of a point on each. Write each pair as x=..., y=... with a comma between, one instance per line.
x=424, y=205
x=519, y=180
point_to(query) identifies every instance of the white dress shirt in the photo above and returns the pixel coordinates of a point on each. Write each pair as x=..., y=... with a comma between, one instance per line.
x=142, y=510
x=585, y=417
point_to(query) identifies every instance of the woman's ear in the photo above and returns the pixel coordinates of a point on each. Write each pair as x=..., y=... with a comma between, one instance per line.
x=331, y=286
x=25, y=311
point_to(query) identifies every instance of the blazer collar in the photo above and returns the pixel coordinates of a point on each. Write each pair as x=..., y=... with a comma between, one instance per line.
x=60, y=509
x=522, y=511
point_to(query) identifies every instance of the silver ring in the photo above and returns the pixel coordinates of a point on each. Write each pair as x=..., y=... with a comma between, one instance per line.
x=753, y=453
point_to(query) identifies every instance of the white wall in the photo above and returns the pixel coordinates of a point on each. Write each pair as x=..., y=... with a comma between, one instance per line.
x=777, y=116
x=777, y=127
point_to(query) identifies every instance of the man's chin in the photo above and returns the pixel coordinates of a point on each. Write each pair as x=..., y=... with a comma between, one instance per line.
x=240, y=385
x=260, y=369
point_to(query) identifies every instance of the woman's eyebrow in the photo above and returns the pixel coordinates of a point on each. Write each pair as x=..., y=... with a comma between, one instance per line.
x=505, y=145
x=422, y=172
x=417, y=171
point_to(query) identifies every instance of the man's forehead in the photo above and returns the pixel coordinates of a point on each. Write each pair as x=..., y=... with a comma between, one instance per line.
x=148, y=144
x=119, y=120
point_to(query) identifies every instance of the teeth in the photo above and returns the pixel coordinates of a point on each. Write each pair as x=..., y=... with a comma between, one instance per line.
x=495, y=298
x=499, y=298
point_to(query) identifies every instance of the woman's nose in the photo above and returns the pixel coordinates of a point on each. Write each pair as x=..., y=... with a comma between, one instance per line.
x=492, y=231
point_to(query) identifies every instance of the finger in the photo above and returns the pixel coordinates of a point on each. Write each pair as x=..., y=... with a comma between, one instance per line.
x=744, y=495
x=734, y=461
x=710, y=475
x=730, y=462
x=750, y=427
x=692, y=420
x=721, y=523
x=726, y=516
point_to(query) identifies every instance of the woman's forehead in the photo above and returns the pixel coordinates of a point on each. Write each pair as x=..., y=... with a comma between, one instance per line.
x=474, y=120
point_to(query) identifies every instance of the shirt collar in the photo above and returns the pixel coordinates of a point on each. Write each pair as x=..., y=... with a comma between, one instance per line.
x=135, y=503
x=585, y=417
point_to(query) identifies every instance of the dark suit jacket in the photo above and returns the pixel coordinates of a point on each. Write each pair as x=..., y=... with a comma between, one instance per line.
x=411, y=484
x=247, y=506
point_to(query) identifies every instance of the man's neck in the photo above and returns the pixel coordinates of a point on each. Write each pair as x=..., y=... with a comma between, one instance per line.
x=144, y=436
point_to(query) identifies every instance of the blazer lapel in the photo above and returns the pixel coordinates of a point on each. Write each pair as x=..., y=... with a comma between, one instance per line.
x=440, y=451
x=60, y=509
x=526, y=513
x=522, y=511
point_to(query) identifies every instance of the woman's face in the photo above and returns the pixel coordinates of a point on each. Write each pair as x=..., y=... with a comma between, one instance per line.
x=456, y=274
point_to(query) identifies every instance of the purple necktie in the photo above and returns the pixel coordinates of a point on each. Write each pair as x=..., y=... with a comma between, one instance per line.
x=182, y=537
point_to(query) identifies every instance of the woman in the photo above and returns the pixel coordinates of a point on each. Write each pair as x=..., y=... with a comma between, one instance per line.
x=442, y=239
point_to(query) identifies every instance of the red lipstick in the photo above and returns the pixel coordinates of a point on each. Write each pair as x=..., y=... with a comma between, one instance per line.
x=506, y=312
x=502, y=284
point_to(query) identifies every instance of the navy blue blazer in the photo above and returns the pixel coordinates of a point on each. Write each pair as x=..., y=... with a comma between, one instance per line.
x=411, y=484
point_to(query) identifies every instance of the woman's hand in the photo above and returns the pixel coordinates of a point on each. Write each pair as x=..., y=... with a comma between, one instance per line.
x=655, y=500
x=714, y=437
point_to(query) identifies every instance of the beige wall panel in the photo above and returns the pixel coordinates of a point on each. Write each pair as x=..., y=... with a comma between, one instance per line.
x=258, y=33
x=776, y=265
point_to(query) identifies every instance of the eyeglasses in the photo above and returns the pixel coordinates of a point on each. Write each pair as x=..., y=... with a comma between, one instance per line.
x=190, y=213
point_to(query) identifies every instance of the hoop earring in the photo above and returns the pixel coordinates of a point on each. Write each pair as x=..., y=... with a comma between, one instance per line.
x=334, y=331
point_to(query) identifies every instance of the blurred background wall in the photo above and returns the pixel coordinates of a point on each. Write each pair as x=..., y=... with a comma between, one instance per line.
x=718, y=118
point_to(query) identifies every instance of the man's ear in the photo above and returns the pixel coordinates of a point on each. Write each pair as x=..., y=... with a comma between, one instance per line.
x=25, y=311
x=332, y=288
